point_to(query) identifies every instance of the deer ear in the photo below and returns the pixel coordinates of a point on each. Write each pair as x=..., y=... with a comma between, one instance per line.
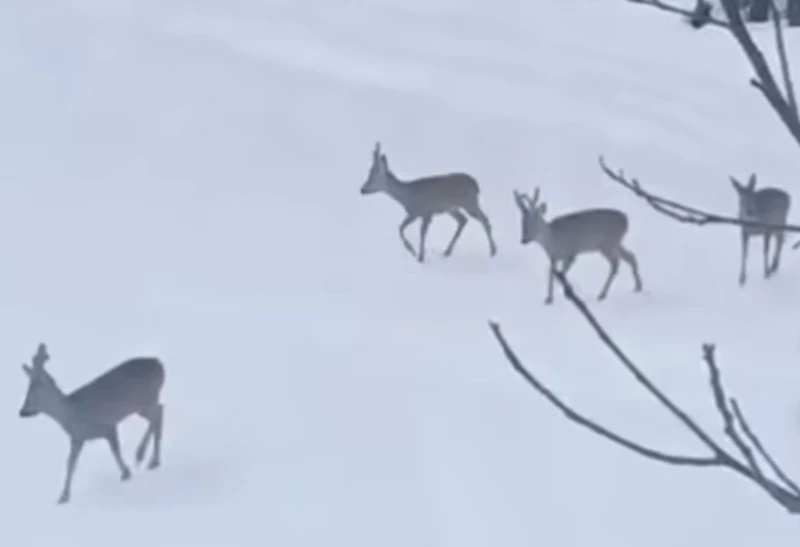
x=27, y=370
x=543, y=207
x=519, y=201
x=751, y=183
x=384, y=161
x=736, y=184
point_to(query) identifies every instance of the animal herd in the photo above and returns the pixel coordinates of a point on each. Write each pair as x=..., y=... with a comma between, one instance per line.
x=94, y=410
x=565, y=237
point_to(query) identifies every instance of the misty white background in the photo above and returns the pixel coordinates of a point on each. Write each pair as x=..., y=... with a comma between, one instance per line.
x=181, y=179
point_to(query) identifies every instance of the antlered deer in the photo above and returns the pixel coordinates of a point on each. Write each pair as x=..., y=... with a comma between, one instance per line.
x=451, y=193
x=94, y=410
x=567, y=236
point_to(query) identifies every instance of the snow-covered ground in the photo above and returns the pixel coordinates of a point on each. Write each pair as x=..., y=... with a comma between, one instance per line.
x=182, y=179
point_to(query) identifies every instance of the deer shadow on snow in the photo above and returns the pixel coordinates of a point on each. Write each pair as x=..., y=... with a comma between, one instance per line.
x=192, y=481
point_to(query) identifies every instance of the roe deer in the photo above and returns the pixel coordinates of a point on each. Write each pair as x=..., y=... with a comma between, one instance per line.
x=766, y=205
x=567, y=236
x=452, y=193
x=94, y=410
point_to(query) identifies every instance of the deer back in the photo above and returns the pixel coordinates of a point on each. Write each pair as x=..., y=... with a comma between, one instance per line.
x=439, y=193
x=772, y=205
x=587, y=230
x=132, y=386
x=767, y=205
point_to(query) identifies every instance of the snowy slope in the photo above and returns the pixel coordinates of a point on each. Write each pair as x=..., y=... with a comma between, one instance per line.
x=181, y=179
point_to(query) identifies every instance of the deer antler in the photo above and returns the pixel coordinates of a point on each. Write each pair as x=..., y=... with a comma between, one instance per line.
x=41, y=357
x=522, y=200
x=535, y=198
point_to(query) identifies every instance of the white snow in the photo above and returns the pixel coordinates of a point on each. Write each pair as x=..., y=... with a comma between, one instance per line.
x=181, y=179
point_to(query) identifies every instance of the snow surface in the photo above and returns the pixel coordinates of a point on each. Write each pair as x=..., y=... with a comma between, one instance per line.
x=181, y=179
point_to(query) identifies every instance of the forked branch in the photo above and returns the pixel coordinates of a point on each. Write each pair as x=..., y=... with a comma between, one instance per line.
x=756, y=442
x=588, y=423
x=780, y=488
x=783, y=102
x=780, y=45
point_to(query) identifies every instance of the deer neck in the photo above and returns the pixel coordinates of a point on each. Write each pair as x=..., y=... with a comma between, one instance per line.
x=59, y=408
x=396, y=188
x=545, y=238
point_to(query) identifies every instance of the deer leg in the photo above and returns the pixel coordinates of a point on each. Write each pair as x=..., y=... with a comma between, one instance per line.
x=630, y=260
x=461, y=219
x=402, y=229
x=423, y=233
x=155, y=418
x=477, y=213
x=566, y=265
x=113, y=442
x=142, y=448
x=743, y=267
x=767, y=272
x=550, y=279
x=779, y=240
x=613, y=261
x=75, y=448
x=155, y=460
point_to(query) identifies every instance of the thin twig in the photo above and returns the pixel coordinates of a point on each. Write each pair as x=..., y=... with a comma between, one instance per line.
x=680, y=11
x=685, y=213
x=756, y=442
x=720, y=400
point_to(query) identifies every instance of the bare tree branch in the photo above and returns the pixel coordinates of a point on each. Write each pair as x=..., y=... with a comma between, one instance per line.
x=685, y=213
x=764, y=81
x=780, y=45
x=640, y=377
x=784, y=106
x=784, y=494
x=679, y=11
x=724, y=410
x=583, y=421
x=756, y=442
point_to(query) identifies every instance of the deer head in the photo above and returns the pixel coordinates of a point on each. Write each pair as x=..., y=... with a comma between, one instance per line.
x=40, y=384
